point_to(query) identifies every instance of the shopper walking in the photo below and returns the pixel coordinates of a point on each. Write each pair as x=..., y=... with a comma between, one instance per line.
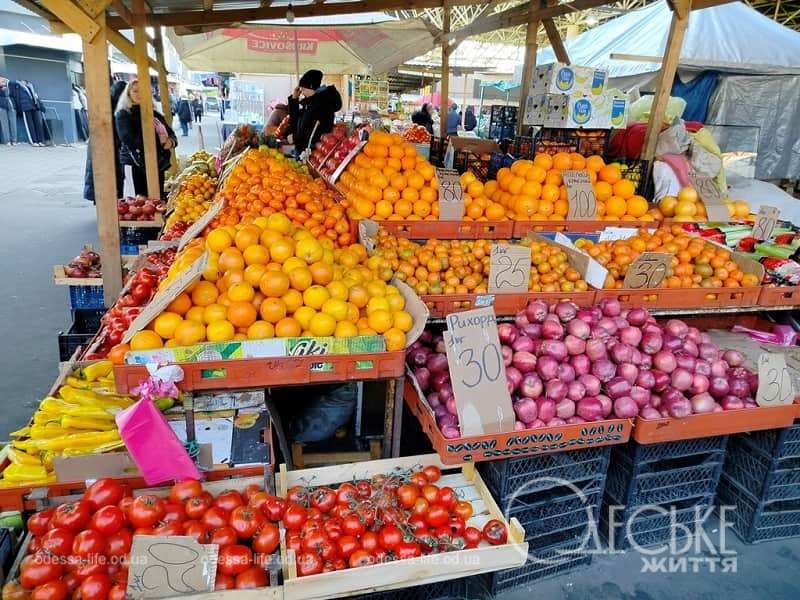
x=88, y=178
x=128, y=118
x=470, y=122
x=453, y=120
x=8, y=115
x=312, y=115
x=184, y=111
x=424, y=117
x=197, y=108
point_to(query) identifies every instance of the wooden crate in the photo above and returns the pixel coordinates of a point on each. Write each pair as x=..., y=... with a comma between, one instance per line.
x=422, y=570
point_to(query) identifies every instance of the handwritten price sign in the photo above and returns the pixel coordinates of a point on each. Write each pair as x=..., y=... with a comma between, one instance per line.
x=509, y=269
x=647, y=271
x=774, y=381
x=765, y=222
x=711, y=196
x=580, y=194
x=451, y=196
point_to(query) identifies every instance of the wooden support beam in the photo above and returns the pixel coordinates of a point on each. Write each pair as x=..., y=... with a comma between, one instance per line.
x=666, y=76
x=123, y=12
x=681, y=7
x=529, y=66
x=96, y=70
x=163, y=85
x=145, y=100
x=35, y=8
x=125, y=46
x=444, y=104
x=555, y=41
x=93, y=7
x=72, y=16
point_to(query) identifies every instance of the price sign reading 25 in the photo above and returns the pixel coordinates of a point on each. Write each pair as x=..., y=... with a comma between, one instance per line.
x=509, y=269
x=647, y=271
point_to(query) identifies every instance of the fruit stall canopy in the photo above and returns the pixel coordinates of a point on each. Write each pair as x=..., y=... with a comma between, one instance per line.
x=333, y=48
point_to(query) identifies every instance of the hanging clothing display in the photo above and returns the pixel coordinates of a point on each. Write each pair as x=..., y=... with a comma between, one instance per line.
x=8, y=114
x=27, y=102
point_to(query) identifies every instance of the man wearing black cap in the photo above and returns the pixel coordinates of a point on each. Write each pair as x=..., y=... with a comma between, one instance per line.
x=318, y=105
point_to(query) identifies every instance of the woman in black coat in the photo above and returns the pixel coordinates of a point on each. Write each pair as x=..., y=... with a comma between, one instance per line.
x=423, y=117
x=129, y=126
x=88, y=178
x=318, y=105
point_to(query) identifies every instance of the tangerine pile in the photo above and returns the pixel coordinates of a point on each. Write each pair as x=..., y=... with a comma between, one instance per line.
x=687, y=207
x=462, y=266
x=696, y=263
x=269, y=279
x=195, y=195
x=263, y=184
x=390, y=180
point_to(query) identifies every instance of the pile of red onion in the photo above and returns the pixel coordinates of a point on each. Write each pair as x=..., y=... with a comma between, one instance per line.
x=570, y=365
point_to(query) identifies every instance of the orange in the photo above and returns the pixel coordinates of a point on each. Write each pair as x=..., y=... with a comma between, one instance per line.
x=315, y=296
x=562, y=161
x=603, y=190
x=287, y=327
x=220, y=331
x=624, y=188
x=550, y=193
x=685, y=208
x=300, y=278
x=260, y=330
x=146, y=340
x=274, y=284
x=165, y=323
x=117, y=354
x=204, y=293
x=402, y=321
x=403, y=208
x=218, y=240
x=241, y=292
x=303, y=315
x=416, y=181
x=395, y=339
x=293, y=300
x=247, y=236
x=609, y=174
x=345, y=329
x=667, y=206
x=270, y=236
x=272, y=310
x=595, y=163
x=189, y=333
x=181, y=304
x=553, y=178
x=384, y=208
x=687, y=194
x=422, y=208
x=310, y=250
x=321, y=273
x=336, y=308
x=578, y=161
x=254, y=273
x=337, y=289
x=230, y=258
x=358, y=296
x=195, y=314
x=255, y=255
x=380, y=320
x=280, y=223
x=637, y=206
x=322, y=325
x=214, y=312
x=281, y=249
x=544, y=161
x=242, y=314
x=616, y=206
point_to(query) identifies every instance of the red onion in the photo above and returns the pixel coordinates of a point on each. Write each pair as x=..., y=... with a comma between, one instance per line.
x=565, y=408
x=739, y=372
x=574, y=344
x=426, y=337
x=718, y=387
x=447, y=419
x=521, y=320
x=536, y=311
x=437, y=363
x=575, y=420
x=719, y=368
x=580, y=364
x=702, y=367
x=524, y=361
x=630, y=335
x=603, y=369
x=717, y=408
x=676, y=328
x=655, y=400
x=595, y=349
x=681, y=379
x=590, y=409
x=555, y=348
x=536, y=424
x=752, y=380
x=590, y=383
x=621, y=353
x=648, y=412
x=665, y=361
x=646, y=379
x=708, y=351
x=610, y=307
x=699, y=385
x=526, y=410
x=555, y=389
x=750, y=404
x=651, y=342
x=507, y=333
x=566, y=373
x=440, y=411
x=625, y=408
x=537, y=345
x=693, y=335
x=579, y=328
x=640, y=395
x=519, y=426
x=423, y=377
x=628, y=372
x=684, y=361
x=547, y=409
x=621, y=323
x=702, y=403
x=678, y=407
x=522, y=344
x=618, y=387
x=662, y=381
x=547, y=367
x=606, y=405
x=419, y=357
x=552, y=330
x=556, y=422
x=433, y=400
x=637, y=316
x=508, y=354
x=440, y=380
x=531, y=386
x=451, y=406
x=690, y=348
x=576, y=390
x=705, y=338
x=606, y=326
x=440, y=347
x=451, y=433
x=587, y=316
x=733, y=357
x=739, y=387
x=652, y=327
x=646, y=362
x=533, y=331
x=566, y=311
x=672, y=343
x=514, y=378
x=664, y=412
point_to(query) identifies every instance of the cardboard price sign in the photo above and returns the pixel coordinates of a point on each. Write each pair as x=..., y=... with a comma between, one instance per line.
x=774, y=381
x=580, y=194
x=477, y=372
x=509, y=269
x=197, y=227
x=647, y=271
x=162, y=567
x=765, y=223
x=710, y=195
x=451, y=196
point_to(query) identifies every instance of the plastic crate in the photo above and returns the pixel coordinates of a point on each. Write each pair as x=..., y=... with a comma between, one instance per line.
x=755, y=521
x=556, y=502
x=775, y=443
x=653, y=452
x=86, y=323
x=585, y=142
x=539, y=473
x=763, y=477
x=498, y=161
x=467, y=588
x=86, y=296
x=523, y=147
x=636, y=170
x=438, y=148
x=130, y=238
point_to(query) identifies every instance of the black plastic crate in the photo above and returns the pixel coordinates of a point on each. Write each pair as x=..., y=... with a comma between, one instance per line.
x=656, y=452
x=539, y=473
x=585, y=142
x=85, y=325
x=466, y=588
x=755, y=521
x=570, y=503
x=130, y=238
x=438, y=148
x=775, y=443
x=523, y=147
x=637, y=170
x=498, y=161
x=763, y=477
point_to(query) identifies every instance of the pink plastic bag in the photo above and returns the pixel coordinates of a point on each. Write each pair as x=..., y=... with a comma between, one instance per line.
x=153, y=445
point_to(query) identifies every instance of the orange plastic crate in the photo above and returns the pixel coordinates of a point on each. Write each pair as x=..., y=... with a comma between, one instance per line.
x=441, y=305
x=779, y=296
x=529, y=442
x=523, y=228
x=268, y=372
x=683, y=297
x=450, y=230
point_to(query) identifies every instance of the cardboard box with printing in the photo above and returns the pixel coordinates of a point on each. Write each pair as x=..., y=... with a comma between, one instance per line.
x=585, y=112
x=560, y=78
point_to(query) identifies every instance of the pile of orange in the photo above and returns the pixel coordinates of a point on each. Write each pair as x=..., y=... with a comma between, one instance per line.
x=194, y=196
x=687, y=207
x=263, y=184
x=696, y=263
x=462, y=266
x=271, y=279
x=390, y=180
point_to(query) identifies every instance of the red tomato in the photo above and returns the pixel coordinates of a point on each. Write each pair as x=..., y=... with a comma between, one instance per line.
x=347, y=494
x=267, y=539
x=172, y=528
x=121, y=577
x=196, y=530
x=463, y=509
x=392, y=516
x=417, y=522
x=323, y=498
x=245, y=521
x=407, y=494
x=117, y=592
x=298, y=495
x=214, y=518
x=229, y=500
x=472, y=537
x=294, y=517
x=310, y=527
x=40, y=569
x=103, y=492
x=340, y=511
x=95, y=587
x=234, y=559
x=72, y=582
x=328, y=550
x=431, y=493
x=495, y=532
x=146, y=510
x=369, y=541
x=125, y=505
x=339, y=564
x=437, y=516
x=185, y=490
x=352, y=525
x=224, y=582
x=88, y=543
x=72, y=515
x=250, y=489
x=274, y=508
x=432, y=473
x=52, y=590
x=108, y=520
x=174, y=512
x=58, y=541
x=360, y=558
x=313, y=540
x=294, y=541
x=224, y=536
x=347, y=545
x=455, y=526
x=257, y=500
x=119, y=543
x=38, y=522
x=447, y=497
x=195, y=507
x=408, y=550
x=367, y=514
x=390, y=537
x=251, y=578
x=420, y=507
x=364, y=489
x=419, y=479
x=381, y=555
x=91, y=565
x=309, y=563
x=35, y=545
x=313, y=514
x=143, y=531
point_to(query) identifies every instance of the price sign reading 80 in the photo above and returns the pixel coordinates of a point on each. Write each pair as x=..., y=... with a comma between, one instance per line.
x=647, y=271
x=451, y=196
x=774, y=381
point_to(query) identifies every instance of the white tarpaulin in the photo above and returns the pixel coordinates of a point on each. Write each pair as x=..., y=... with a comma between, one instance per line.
x=334, y=49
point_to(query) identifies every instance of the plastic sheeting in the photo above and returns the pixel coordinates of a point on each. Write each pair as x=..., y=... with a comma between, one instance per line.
x=771, y=103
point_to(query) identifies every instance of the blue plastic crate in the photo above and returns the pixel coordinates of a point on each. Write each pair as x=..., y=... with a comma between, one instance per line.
x=775, y=443
x=755, y=521
x=86, y=296
x=763, y=477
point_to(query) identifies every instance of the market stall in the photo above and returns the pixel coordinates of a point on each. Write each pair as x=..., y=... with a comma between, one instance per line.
x=562, y=345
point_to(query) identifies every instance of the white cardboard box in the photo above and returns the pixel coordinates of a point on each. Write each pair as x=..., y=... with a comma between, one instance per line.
x=560, y=78
x=586, y=112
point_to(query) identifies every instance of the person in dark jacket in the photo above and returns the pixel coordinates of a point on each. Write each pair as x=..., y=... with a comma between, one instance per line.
x=26, y=101
x=453, y=120
x=88, y=178
x=128, y=119
x=8, y=115
x=197, y=108
x=316, y=109
x=184, y=112
x=470, y=122
x=423, y=117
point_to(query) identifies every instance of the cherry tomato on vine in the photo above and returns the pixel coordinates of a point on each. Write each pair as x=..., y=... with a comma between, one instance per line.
x=390, y=537
x=407, y=494
x=369, y=541
x=463, y=509
x=352, y=525
x=447, y=497
x=347, y=545
x=419, y=479
x=432, y=473
x=408, y=550
x=431, y=493
x=420, y=507
x=347, y=494
x=363, y=489
x=360, y=558
x=456, y=526
x=436, y=516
